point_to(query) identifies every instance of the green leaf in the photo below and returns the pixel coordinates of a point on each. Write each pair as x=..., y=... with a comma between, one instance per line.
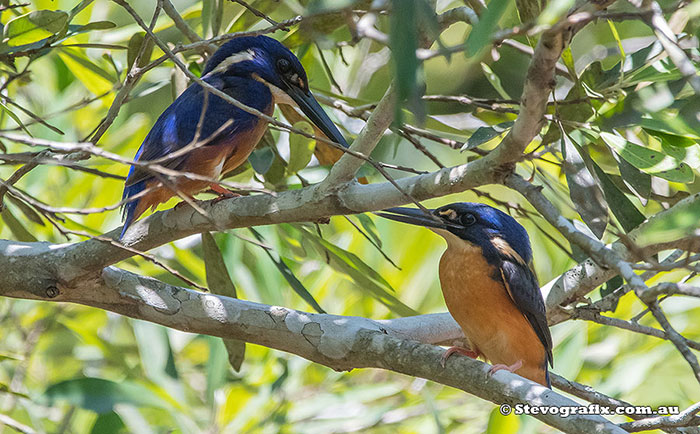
x=494, y=80
x=638, y=181
x=95, y=25
x=650, y=161
x=275, y=175
x=502, y=424
x=553, y=11
x=92, y=76
x=404, y=43
x=137, y=41
x=218, y=279
x=568, y=58
x=672, y=139
x=154, y=345
x=622, y=208
x=101, y=395
x=675, y=223
x=301, y=148
x=289, y=276
x=216, y=370
x=34, y=26
x=484, y=134
x=481, y=32
x=108, y=423
x=585, y=192
x=365, y=276
x=616, y=35
x=369, y=227
x=568, y=351
x=528, y=10
x=219, y=282
x=27, y=210
x=610, y=286
x=18, y=230
x=15, y=118
x=4, y=388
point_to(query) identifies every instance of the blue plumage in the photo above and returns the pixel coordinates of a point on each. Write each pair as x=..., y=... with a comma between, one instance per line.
x=506, y=255
x=492, y=223
x=257, y=71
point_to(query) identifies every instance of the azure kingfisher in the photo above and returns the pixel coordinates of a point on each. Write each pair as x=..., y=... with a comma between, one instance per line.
x=258, y=71
x=489, y=286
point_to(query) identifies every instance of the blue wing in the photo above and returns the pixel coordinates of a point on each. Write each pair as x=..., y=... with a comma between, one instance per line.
x=177, y=125
x=523, y=288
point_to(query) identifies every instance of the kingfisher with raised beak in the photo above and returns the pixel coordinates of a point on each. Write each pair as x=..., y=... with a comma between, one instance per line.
x=259, y=72
x=489, y=286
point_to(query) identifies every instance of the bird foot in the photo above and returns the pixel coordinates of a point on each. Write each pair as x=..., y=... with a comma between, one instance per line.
x=224, y=193
x=459, y=350
x=500, y=367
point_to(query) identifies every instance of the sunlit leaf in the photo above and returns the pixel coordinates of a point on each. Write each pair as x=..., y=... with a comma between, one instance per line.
x=484, y=134
x=301, y=148
x=650, y=161
x=502, y=424
x=366, y=277
x=92, y=76
x=482, y=31
x=554, y=11
x=34, y=26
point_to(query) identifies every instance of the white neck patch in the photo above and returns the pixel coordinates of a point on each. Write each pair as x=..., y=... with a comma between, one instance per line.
x=279, y=96
x=239, y=57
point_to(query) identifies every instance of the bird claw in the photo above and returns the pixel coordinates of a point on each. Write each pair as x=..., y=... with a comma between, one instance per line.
x=501, y=367
x=224, y=193
x=459, y=350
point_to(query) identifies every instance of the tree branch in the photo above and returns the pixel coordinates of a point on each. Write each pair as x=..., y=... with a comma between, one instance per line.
x=341, y=343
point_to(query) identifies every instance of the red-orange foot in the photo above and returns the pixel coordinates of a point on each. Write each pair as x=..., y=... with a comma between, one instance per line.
x=224, y=193
x=459, y=350
x=500, y=367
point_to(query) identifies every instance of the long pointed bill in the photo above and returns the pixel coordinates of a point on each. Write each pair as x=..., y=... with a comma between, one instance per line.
x=308, y=104
x=415, y=216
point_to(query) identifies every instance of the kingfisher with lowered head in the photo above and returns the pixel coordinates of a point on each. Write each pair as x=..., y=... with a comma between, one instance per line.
x=259, y=72
x=489, y=286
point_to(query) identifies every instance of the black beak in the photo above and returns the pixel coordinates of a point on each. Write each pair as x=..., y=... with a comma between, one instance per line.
x=308, y=104
x=417, y=217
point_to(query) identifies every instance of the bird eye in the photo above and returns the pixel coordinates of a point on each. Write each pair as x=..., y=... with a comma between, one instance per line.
x=283, y=66
x=468, y=219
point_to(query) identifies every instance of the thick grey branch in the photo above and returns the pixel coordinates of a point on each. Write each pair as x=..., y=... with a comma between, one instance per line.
x=341, y=343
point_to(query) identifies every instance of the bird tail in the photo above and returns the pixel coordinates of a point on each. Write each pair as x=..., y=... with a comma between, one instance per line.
x=129, y=208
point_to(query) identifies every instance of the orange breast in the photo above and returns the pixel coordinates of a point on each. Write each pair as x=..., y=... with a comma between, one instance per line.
x=489, y=318
x=211, y=161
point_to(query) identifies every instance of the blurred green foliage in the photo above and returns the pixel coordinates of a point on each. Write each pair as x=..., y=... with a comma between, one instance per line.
x=633, y=127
